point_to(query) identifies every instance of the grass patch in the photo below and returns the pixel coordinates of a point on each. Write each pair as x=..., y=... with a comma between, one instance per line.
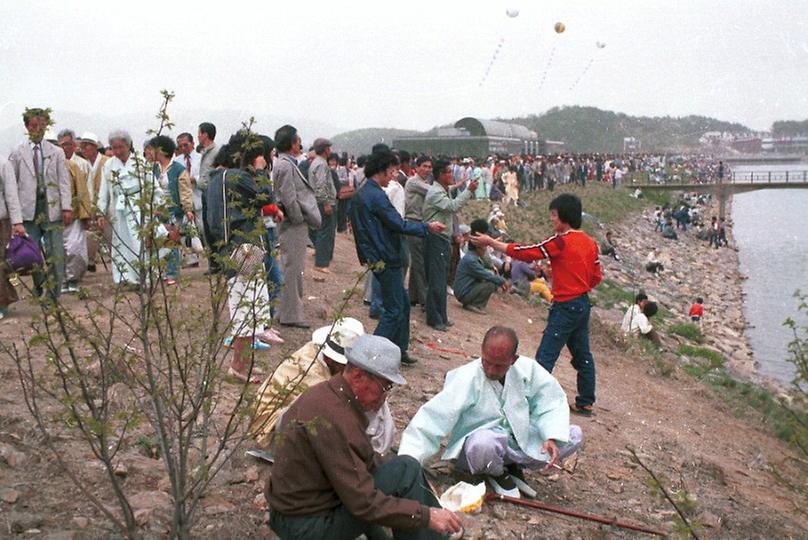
x=609, y=294
x=714, y=359
x=657, y=198
x=688, y=331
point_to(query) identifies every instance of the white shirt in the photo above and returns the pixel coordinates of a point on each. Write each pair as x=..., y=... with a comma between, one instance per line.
x=395, y=192
x=196, y=161
x=635, y=321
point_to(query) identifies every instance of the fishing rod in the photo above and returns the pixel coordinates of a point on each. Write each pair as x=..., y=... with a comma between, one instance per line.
x=572, y=513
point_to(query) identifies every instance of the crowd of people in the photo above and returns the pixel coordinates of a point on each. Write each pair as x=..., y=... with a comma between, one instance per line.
x=252, y=206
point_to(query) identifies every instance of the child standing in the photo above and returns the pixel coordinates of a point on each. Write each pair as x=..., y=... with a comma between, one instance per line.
x=573, y=257
x=696, y=310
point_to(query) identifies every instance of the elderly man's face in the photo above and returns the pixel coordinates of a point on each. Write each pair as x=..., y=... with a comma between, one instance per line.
x=68, y=145
x=89, y=150
x=497, y=357
x=120, y=149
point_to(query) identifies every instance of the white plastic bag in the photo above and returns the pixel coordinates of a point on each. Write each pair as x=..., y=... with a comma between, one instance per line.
x=464, y=497
x=76, y=259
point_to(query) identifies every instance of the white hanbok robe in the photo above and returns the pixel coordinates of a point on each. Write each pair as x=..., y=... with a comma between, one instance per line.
x=532, y=407
x=118, y=197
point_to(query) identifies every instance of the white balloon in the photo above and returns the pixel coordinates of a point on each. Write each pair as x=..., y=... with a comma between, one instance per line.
x=512, y=12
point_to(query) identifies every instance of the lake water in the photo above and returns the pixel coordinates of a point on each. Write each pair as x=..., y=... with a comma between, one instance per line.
x=771, y=230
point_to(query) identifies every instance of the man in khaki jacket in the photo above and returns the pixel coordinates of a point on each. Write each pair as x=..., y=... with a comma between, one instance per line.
x=90, y=145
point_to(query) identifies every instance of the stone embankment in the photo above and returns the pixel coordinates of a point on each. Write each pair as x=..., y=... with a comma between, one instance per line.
x=692, y=269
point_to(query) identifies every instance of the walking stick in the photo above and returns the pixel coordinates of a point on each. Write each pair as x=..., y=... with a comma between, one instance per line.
x=580, y=515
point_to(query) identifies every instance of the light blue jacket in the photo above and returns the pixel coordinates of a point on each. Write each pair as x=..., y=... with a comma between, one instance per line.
x=533, y=408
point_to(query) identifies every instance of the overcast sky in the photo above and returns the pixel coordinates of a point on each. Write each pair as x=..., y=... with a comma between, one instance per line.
x=411, y=64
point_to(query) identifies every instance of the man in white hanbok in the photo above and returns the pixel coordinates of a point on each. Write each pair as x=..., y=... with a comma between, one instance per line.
x=501, y=412
x=123, y=185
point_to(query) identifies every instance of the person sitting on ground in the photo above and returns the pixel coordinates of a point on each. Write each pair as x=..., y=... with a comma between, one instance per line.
x=530, y=278
x=696, y=312
x=633, y=311
x=638, y=323
x=667, y=230
x=475, y=280
x=607, y=247
x=501, y=412
x=326, y=482
x=652, y=262
x=315, y=362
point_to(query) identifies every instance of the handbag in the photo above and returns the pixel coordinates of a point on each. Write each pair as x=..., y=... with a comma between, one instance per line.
x=23, y=254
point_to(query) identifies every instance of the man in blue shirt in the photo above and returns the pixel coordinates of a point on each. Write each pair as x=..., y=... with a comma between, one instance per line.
x=377, y=228
x=475, y=281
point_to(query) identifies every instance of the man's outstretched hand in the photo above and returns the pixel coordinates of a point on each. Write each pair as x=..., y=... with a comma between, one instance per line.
x=443, y=521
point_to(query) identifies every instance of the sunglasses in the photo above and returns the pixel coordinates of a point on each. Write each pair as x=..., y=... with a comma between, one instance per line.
x=385, y=385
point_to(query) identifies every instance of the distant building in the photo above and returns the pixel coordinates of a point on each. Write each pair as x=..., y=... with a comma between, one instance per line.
x=631, y=145
x=474, y=137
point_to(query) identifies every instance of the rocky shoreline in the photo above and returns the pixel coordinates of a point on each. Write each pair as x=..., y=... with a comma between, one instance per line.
x=692, y=269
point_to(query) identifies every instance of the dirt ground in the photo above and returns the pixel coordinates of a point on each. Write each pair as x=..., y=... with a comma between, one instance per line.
x=676, y=425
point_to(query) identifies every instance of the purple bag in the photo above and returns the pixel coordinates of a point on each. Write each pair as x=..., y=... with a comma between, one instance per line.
x=23, y=254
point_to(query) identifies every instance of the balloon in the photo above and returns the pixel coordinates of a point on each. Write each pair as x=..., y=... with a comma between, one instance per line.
x=559, y=27
x=600, y=44
x=512, y=12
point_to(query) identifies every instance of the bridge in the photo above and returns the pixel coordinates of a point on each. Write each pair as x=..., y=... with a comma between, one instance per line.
x=737, y=182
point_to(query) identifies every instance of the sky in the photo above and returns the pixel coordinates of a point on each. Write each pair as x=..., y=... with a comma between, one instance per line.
x=410, y=65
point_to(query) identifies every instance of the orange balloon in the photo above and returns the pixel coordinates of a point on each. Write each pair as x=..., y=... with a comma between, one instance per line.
x=559, y=27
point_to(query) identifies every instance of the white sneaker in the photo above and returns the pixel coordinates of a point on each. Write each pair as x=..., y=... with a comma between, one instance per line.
x=504, y=485
x=449, y=290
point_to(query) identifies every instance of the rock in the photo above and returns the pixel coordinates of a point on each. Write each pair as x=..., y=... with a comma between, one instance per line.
x=149, y=500
x=143, y=516
x=252, y=474
x=62, y=535
x=164, y=484
x=19, y=522
x=80, y=521
x=260, y=502
x=9, y=496
x=120, y=470
x=11, y=456
x=217, y=506
x=708, y=519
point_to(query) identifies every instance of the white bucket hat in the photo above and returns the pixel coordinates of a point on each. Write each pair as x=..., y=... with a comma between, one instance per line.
x=343, y=336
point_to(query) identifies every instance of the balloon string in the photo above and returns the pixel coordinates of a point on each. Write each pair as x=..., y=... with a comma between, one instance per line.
x=547, y=67
x=491, y=62
x=581, y=76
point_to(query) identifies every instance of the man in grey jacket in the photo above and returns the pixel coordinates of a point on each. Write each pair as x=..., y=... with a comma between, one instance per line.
x=296, y=198
x=325, y=193
x=43, y=188
x=9, y=213
x=414, y=192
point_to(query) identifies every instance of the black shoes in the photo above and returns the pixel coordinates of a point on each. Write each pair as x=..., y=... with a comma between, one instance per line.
x=408, y=360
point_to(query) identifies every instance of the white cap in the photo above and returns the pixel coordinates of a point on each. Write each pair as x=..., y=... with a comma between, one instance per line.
x=342, y=336
x=90, y=137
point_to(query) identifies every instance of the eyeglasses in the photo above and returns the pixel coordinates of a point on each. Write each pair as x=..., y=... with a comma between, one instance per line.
x=385, y=385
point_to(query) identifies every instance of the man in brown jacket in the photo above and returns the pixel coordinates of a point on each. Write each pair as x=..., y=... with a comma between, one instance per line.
x=325, y=482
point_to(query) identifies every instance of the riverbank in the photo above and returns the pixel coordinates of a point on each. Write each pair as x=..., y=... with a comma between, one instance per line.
x=692, y=269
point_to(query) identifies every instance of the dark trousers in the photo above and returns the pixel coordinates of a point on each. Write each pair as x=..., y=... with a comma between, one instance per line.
x=376, y=298
x=343, y=211
x=568, y=324
x=213, y=264
x=401, y=477
x=273, y=268
x=395, y=321
x=478, y=295
x=324, y=240
x=437, y=255
x=417, y=283
x=48, y=235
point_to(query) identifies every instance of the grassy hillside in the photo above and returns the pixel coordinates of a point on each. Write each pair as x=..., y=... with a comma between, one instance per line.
x=789, y=128
x=604, y=204
x=360, y=141
x=589, y=129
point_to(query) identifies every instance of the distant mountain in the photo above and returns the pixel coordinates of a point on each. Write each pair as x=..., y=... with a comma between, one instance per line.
x=789, y=128
x=589, y=129
x=360, y=141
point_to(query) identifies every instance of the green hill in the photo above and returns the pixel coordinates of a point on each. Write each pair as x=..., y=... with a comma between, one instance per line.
x=589, y=129
x=789, y=128
x=360, y=141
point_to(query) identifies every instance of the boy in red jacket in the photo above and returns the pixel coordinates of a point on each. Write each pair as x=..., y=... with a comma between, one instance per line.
x=576, y=269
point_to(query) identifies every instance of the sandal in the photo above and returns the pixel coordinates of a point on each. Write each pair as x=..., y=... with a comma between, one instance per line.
x=583, y=410
x=243, y=378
